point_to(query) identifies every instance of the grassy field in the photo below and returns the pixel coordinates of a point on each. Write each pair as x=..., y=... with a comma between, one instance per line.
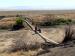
x=25, y=42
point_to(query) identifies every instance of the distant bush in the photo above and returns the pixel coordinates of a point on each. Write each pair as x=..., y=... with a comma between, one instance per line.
x=54, y=22
x=1, y=17
x=18, y=24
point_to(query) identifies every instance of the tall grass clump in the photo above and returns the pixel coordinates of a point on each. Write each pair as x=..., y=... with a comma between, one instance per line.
x=69, y=34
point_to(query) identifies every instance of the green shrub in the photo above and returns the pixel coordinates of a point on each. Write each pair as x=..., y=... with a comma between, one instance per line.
x=59, y=21
x=19, y=21
x=18, y=25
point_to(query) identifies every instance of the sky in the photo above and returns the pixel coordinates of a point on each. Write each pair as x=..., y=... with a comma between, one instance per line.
x=37, y=4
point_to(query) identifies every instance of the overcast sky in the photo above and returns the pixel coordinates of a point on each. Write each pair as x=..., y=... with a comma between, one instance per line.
x=38, y=4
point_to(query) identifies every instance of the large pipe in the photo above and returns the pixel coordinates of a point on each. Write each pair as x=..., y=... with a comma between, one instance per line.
x=42, y=36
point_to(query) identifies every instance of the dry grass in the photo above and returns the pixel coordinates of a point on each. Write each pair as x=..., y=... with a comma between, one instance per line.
x=7, y=23
x=19, y=40
x=69, y=34
x=20, y=53
x=20, y=44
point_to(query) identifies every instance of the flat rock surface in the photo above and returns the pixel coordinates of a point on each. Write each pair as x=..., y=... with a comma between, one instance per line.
x=56, y=34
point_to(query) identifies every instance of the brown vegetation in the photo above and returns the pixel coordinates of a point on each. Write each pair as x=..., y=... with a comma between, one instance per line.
x=7, y=23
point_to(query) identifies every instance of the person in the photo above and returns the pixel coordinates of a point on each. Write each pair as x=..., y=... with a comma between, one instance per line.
x=39, y=30
x=35, y=29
